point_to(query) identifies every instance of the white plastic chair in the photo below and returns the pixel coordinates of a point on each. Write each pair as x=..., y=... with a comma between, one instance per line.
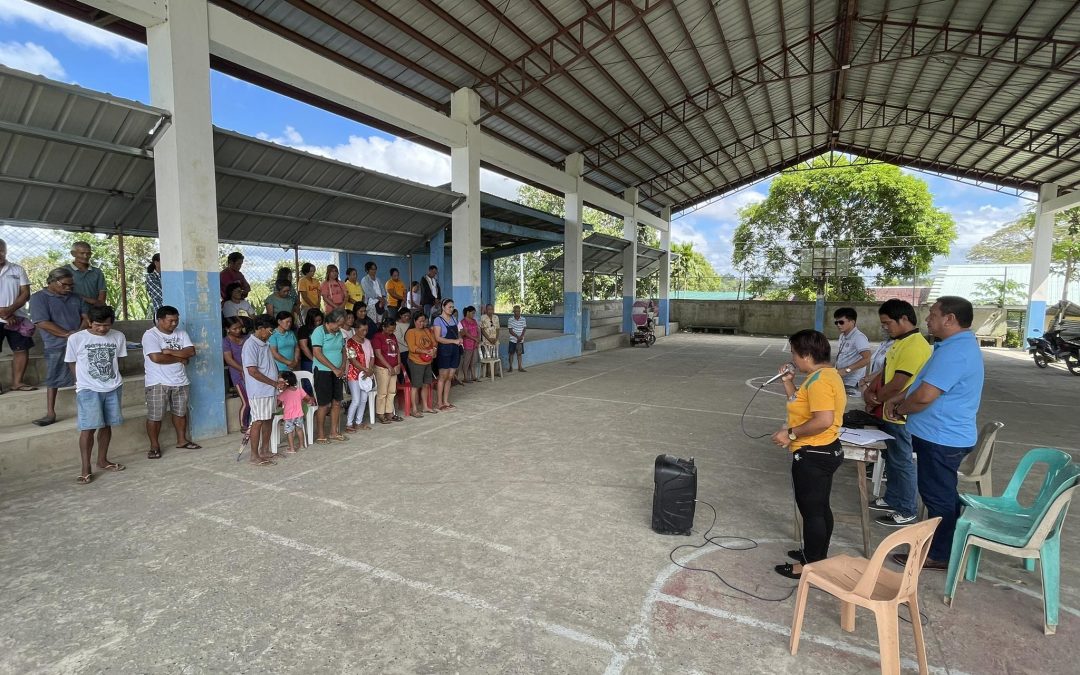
x=309, y=418
x=977, y=466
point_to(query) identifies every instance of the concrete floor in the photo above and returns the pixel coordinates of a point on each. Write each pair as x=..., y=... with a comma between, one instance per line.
x=509, y=536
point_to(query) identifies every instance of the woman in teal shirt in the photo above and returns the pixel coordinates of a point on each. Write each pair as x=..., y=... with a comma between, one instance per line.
x=283, y=343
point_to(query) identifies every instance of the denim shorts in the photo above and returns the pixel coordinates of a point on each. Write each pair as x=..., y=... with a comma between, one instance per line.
x=294, y=425
x=57, y=373
x=97, y=409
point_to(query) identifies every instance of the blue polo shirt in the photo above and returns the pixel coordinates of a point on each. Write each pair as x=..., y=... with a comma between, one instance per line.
x=956, y=368
x=63, y=310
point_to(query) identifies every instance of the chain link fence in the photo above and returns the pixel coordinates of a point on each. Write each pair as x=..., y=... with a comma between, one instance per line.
x=125, y=260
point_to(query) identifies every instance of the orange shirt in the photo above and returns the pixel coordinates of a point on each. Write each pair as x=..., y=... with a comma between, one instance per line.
x=419, y=340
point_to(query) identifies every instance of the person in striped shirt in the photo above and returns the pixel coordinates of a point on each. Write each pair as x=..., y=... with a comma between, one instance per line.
x=516, y=327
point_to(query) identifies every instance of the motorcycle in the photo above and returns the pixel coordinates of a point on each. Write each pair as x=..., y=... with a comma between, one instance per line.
x=1053, y=348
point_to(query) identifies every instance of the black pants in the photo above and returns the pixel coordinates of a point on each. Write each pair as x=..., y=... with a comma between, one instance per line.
x=812, y=469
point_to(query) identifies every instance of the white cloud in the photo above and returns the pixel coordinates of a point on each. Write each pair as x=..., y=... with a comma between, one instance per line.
x=972, y=225
x=712, y=227
x=79, y=32
x=396, y=157
x=32, y=58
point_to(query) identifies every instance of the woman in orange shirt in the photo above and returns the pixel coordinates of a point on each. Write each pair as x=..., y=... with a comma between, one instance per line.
x=308, y=287
x=812, y=435
x=422, y=350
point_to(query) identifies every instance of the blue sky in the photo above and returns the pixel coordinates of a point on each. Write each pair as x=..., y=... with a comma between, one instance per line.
x=36, y=40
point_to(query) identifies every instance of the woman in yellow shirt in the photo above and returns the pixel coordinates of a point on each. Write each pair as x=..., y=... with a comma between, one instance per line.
x=353, y=292
x=308, y=286
x=812, y=434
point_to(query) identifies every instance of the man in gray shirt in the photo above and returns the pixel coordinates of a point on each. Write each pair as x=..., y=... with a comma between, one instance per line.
x=853, y=351
x=57, y=311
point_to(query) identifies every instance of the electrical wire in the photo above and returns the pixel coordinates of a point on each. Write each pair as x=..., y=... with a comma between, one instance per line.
x=742, y=417
x=713, y=540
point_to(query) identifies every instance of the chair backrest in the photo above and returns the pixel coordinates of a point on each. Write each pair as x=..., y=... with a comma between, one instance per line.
x=1054, y=517
x=306, y=376
x=978, y=461
x=1049, y=497
x=917, y=538
x=1055, y=461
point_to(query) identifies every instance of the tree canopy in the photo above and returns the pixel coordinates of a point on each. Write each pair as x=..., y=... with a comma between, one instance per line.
x=1014, y=242
x=692, y=271
x=885, y=217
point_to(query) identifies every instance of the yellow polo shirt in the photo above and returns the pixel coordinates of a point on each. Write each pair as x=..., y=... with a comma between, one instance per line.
x=822, y=390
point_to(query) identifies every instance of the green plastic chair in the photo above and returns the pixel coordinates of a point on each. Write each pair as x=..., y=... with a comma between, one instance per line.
x=1003, y=525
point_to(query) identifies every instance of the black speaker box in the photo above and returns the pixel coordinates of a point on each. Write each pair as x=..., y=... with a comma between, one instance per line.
x=675, y=489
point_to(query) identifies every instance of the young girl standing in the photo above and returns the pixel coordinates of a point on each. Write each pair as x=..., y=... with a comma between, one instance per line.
x=360, y=378
x=292, y=399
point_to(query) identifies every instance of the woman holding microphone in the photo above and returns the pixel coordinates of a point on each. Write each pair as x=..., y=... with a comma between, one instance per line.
x=811, y=433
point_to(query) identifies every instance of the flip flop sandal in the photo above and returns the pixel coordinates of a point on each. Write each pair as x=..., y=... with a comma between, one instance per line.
x=44, y=421
x=113, y=466
x=397, y=418
x=383, y=421
x=85, y=480
x=417, y=415
x=190, y=445
x=432, y=412
x=338, y=438
x=322, y=441
x=154, y=453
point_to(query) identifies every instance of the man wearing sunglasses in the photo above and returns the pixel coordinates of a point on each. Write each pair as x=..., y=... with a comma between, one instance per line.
x=853, y=352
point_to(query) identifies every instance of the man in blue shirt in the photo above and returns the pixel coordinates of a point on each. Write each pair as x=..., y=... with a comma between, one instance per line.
x=941, y=405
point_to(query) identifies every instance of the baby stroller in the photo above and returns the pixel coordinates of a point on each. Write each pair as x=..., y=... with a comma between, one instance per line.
x=643, y=326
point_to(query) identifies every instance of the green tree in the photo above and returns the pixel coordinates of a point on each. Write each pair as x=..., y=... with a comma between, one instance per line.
x=1000, y=292
x=885, y=217
x=1014, y=243
x=692, y=271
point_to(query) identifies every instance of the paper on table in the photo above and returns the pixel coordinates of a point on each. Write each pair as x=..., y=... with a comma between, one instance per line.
x=863, y=436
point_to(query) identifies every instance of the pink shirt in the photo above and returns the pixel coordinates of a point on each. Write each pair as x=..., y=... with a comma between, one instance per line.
x=292, y=401
x=470, y=333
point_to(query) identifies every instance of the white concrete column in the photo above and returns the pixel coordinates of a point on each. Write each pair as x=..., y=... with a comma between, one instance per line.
x=179, y=56
x=465, y=223
x=1040, y=262
x=664, y=289
x=629, y=262
x=574, y=206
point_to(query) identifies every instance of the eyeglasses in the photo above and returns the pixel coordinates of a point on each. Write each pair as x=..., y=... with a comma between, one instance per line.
x=67, y=285
x=841, y=322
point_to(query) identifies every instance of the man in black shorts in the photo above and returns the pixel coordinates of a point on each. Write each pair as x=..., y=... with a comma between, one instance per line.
x=14, y=326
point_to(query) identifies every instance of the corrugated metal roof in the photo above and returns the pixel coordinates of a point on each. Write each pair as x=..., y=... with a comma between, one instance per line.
x=965, y=280
x=999, y=77
x=602, y=254
x=75, y=159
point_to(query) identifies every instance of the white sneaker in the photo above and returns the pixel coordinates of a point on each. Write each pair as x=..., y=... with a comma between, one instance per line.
x=894, y=519
x=880, y=504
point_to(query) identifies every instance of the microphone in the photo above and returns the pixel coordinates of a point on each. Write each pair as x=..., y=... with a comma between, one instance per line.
x=788, y=368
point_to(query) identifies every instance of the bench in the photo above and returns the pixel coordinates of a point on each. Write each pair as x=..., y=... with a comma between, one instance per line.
x=722, y=330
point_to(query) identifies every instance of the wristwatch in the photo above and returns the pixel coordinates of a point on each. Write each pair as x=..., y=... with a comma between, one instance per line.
x=847, y=370
x=791, y=435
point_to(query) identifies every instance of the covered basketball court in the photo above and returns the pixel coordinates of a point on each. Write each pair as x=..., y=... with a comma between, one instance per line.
x=510, y=536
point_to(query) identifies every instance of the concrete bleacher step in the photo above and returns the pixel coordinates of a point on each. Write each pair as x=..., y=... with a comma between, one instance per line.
x=35, y=368
x=19, y=407
x=26, y=449
x=596, y=332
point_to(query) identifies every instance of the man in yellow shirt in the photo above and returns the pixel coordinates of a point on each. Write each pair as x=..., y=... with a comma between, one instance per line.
x=906, y=357
x=395, y=293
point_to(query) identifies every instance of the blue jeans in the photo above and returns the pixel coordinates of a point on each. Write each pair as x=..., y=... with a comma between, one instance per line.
x=937, y=485
x=900, y=490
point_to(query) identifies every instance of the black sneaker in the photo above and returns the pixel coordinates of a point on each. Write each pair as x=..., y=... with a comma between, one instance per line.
x=894, y=519
x=881, y=505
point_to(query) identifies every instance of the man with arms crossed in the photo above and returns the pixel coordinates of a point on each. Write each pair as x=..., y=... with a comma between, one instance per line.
x=940, y=406
x=166, y=351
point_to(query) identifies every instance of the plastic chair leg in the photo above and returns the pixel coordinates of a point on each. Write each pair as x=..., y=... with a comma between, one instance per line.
x=916, y=627
x=956, y=559
x=1029, y=564
x=1050, y=562
x=371, y=408
x=847, y=616
x=275, y=440
x=800, y=610
x=974, y=557
x=888, y=631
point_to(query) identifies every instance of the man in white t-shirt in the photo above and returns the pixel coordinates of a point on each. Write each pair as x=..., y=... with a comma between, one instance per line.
x=515, y=325
x=853, y=350
x=95, y=354
x=166, y=351
x=14, y=294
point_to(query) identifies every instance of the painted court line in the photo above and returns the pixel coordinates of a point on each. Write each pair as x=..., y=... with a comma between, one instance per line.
x=372, y=516
x=764, y=350
x=785, y=631
x=414, y=584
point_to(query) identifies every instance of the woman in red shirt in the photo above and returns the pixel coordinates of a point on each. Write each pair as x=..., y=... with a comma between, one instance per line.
x=387, y=367
x=470, y=337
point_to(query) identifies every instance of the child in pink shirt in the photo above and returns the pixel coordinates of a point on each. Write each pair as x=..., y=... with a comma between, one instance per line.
x=292, y=400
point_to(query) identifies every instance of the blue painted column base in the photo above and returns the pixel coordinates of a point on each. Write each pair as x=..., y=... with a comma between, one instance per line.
x=1036, y=318
x=663, y=312
x=197, y=295
x=628, y=314
x=571, y=313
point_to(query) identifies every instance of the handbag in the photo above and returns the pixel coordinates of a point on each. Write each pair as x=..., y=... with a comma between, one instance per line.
x=366, y=383
x=23, y=327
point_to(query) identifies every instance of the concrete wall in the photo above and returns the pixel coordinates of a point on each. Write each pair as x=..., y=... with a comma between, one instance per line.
x=784, y=318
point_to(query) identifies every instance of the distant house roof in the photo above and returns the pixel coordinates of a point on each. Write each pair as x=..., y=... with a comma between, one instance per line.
x=963, y=280
x=916, y=295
